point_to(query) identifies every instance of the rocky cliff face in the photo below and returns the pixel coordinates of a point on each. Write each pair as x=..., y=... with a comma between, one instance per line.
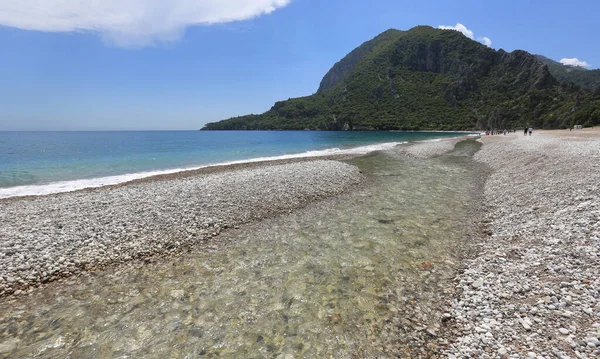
x=346, y=65
x=532, y=73
x=426, y=78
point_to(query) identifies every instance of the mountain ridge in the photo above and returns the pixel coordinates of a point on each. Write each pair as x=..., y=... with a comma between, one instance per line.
x=430, y=79
x=580, y=76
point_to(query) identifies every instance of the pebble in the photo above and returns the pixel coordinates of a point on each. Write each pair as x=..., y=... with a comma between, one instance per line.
x=177, y=294
x=538, y=253
x=478, y=283
x=56, y=234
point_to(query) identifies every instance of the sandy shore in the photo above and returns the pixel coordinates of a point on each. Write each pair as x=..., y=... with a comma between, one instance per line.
x=47, y=237
x=532, y=290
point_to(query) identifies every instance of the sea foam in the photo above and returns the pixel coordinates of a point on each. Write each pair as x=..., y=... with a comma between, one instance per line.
x=73, y=185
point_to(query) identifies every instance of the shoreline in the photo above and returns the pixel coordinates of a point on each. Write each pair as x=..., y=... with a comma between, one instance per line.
x=80, y=231
x=117, y=180
x=66, y=186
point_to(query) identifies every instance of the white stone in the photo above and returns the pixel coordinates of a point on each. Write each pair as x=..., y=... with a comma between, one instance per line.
x=478, y=283
x=177, y=294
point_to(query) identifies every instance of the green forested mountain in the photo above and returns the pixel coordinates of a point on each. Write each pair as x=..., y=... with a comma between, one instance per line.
x=589, y=79
x=430, y=79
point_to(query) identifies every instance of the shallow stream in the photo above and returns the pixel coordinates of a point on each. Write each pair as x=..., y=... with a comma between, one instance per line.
x=349, y=277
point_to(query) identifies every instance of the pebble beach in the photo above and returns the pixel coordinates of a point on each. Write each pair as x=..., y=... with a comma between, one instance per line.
x=45, y=238
x=531, y=287
x=527, y=282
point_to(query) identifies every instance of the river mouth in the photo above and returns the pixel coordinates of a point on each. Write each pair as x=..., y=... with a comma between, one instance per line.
x=362, y=275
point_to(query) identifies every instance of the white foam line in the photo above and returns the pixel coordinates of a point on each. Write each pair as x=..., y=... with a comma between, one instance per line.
x=73, y=185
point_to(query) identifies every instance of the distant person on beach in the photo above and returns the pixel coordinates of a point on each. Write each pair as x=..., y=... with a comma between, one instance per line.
x=525, y=132
x=530, y=130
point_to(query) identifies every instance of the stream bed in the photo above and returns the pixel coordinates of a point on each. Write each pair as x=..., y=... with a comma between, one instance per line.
x=354, y=276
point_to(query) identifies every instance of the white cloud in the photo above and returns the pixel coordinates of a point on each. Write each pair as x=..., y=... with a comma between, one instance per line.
x=468, y=33
x=130, y=23
x=485, y=40
x=574, y=62
x=461, y=28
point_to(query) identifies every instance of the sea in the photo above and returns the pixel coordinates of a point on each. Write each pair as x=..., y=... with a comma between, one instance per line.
x=38, y=163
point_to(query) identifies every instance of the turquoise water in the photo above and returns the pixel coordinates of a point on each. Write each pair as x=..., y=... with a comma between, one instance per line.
x=42, y=158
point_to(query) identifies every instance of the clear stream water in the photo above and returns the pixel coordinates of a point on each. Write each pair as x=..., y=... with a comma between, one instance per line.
x=342, y=278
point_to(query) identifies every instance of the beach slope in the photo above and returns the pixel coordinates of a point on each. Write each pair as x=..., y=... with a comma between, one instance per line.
x=533, y=287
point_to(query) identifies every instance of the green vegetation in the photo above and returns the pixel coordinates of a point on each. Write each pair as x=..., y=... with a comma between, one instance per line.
x=430, y=79
x=589, y=79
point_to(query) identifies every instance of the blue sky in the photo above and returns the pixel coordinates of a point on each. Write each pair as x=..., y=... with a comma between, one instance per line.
x=177, y=64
